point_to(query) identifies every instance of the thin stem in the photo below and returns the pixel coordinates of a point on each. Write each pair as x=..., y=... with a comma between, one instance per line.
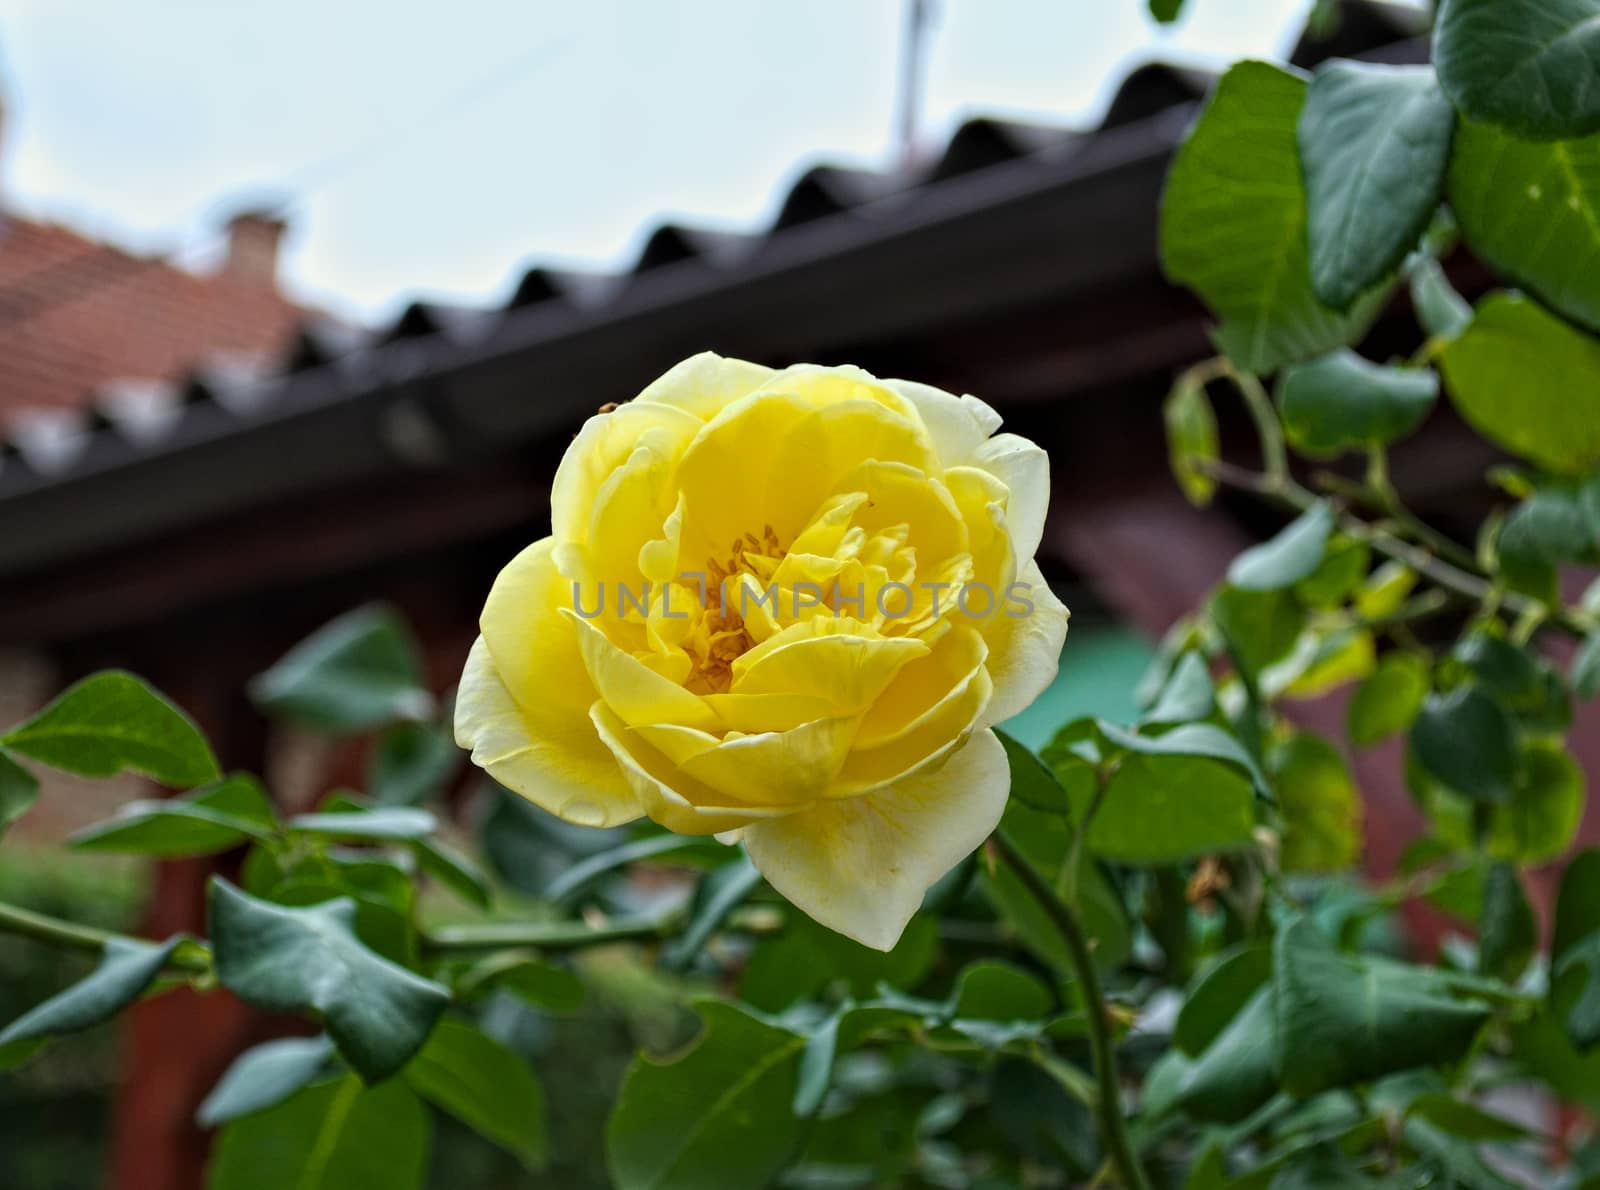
x=1113, y=1127
x=67, y=935
x=560, y=935
x=1274, y=456
x=1452, y=578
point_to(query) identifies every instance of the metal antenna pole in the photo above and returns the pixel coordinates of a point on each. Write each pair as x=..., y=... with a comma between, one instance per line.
x=913, y=62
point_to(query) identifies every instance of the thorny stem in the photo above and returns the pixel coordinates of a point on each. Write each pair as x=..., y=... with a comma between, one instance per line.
x=68, y=935
x=1113, y=1126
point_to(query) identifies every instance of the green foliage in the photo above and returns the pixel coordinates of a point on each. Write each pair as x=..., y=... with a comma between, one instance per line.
x=1467, y=741
x=1343, y=1020
x=1201, y=866
x=483, y=1084
x=1289, y=557
x=1528, y=65
x=1320, y=805
x=219, y=817
x=265, y=1076
x=19, y=789
x=1191, y=439
x=1342, y=402
x=1528, y=382
x=111, y=722
x=1233, y=225
x=412, y=763
x=284, y=959
x=334, y=1136
x=1508, y=933
x=1531, y=210
x=126, y=969
x=1389, y=699
x=359, y=672
x=1374, y=143
x=720, y=1115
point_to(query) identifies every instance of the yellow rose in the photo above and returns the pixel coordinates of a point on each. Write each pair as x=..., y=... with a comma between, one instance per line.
x=783, y=608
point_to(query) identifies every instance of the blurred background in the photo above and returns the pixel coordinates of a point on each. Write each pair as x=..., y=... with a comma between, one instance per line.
x=300, y=304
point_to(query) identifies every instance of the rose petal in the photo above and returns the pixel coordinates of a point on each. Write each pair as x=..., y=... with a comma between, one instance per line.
x=861, y=866
x=545, y=754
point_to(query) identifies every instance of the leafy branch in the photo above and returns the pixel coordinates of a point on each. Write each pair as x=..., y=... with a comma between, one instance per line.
x=1108, y=1101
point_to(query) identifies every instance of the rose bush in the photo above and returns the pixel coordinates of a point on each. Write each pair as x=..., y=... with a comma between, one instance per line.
x=784, y=608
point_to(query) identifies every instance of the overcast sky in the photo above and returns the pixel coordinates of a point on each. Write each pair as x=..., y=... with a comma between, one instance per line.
x=437, y=147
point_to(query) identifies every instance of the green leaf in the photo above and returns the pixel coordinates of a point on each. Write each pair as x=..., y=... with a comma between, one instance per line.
x=1460, y=1118
x=1542, y=1047
x=1188, y=695
x=816, y=1064
x=1342, y=402
x=1032, y=780
x=719, y=893
x=1259, y=627
x=1340, y=657
x=283, y=959
x=1388, y=701
x=210, y=820
x=1040, y=1121
x=386, y=824
x=1442, y=312
x=1527, y=65
x=1508, y=933
x=545, y=985
x=1233, y=225
x=1531, y=212
x=1505, y=670
x=453, y=870
x=1385, y=590
x=19, y=789
x=564, y=888
x=992, y=990
x=384, y=895
x=126, y=969
x=1164, y=809
x=1191, y=439
x=720, y=1115
x=411, y=763
x=1468, y=742
x=1541, y=819
x=1215, y=998
x=1191, y=739
x=1550, y=527
x=1166, y=11
x=806, y=959
x=1374, y=141
x=1292, y=555
x=1578, y=905
x=264, y=1077
x=1582, y=960
x=1528, y=382
x=338, y=1136
x=1585, y=668
x=1235, y=1075
x=1337, y=576
x=1344, y=1019
x=484, y=1085
x=111, y=722
x=1319, y=804
x=361, y=671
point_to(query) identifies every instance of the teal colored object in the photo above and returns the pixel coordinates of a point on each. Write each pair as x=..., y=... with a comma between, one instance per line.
x=1100, y=668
